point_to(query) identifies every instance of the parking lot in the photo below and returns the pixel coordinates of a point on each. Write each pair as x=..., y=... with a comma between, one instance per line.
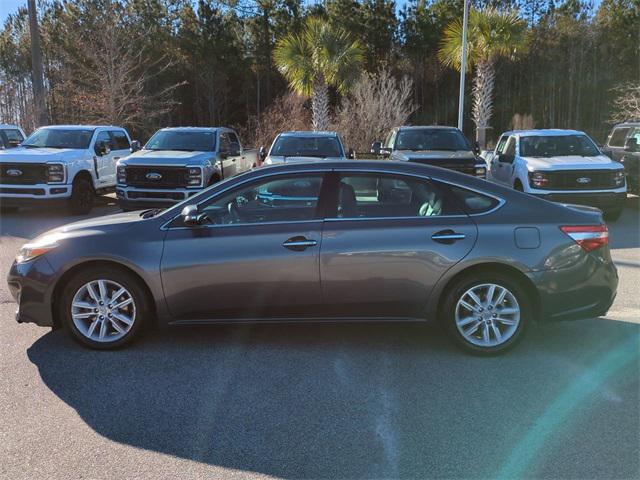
x=357, y=401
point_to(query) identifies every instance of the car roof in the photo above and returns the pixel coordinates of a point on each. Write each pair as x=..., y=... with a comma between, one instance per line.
x=546, y=132
x=79, y=127
x=627, y=124
x=420, y=127
x=308, y=133
x=193, y=129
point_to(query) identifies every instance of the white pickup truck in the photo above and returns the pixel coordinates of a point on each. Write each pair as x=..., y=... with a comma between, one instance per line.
x=68, y=164
x=559, y=165
x=306, y=146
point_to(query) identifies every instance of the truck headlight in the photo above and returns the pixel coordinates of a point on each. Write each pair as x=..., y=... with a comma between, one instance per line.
x=122, y=174
x=481, y=171
x=55, y=173
x=618, y=178
x=539, y=179
x=194, y=177
x=29, y=251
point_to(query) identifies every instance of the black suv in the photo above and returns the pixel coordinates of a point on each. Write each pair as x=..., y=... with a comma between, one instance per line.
x=623, y=145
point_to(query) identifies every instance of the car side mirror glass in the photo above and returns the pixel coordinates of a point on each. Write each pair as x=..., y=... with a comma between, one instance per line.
x=191, y=217
x=135, y=145
x=375, y=147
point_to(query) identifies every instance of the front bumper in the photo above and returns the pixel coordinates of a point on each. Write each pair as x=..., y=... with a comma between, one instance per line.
x=603, y=200
x=30, y=285
x=138, y=198
x=20, y=195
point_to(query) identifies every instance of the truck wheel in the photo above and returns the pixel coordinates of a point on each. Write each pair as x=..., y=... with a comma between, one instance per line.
x=612, y=215
x=82, y=196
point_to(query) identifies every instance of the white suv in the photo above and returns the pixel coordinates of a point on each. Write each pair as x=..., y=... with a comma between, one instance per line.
x=559, y=165
x=62, y=164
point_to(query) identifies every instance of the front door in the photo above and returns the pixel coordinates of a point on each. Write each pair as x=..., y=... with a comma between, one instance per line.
x=104, y=164
x=256, y=255
x=391, y=240
x=227, y=159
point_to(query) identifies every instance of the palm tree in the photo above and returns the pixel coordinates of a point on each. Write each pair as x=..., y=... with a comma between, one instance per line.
x=492, y=34
x=319, y=57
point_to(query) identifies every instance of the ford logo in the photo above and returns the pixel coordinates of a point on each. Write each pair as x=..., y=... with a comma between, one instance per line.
x=14, y=172
x=583, y=180
x=153, y=176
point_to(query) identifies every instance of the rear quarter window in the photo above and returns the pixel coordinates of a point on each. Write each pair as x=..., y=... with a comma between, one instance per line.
x=474, y=202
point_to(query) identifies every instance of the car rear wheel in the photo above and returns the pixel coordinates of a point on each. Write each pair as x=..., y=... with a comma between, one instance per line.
x=104, y=308
x=487, y=313
x=82, y=196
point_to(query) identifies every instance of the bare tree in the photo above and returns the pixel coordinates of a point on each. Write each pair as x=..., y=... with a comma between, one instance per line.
x=626, y=105
x=377, y=103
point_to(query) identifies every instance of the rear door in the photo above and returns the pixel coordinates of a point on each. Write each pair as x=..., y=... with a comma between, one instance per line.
x=505, y=162
x=388, y=242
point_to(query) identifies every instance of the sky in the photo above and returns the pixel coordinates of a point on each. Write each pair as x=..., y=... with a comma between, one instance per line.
x=9, y=6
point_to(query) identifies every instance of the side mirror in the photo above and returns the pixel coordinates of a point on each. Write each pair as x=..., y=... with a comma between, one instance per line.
x=375, y=147
x=504, y=158
x=102, y=148
x=351, y=154
x=631, y=145
x=191, y=217
x=234, y=149
x=135, y=145
x=476, y=148
x=262, y=153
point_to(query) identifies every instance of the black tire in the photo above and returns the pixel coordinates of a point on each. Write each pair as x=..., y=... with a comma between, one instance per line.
x=612, y=215
x=82, y=197
x=141, y=305
x=467, y=282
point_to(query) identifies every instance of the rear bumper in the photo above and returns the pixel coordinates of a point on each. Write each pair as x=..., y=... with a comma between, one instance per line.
x=602, y=200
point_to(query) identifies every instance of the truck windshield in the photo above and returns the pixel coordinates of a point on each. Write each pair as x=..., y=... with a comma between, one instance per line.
x=558, y=146
x=431, y=139
x=182, y=141
x=59, y=138
x=311, y=146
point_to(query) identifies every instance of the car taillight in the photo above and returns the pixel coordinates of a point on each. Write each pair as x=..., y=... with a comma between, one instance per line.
x=589, y=237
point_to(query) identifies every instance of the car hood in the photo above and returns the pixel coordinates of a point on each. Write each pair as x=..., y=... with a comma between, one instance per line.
x=280, y=158
x=156, y=158
x=39, y=155
x=435, y=155
x=571, y=162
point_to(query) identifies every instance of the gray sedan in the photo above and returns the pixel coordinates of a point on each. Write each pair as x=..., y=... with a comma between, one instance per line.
x=324, y=241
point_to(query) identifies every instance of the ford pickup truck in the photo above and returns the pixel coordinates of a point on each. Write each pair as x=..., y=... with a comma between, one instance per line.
x=303, y=145
x=179, y=162
x=440, y=146
x=559, y=165
x=623, y=145
x=62, y=164
x=11, y=136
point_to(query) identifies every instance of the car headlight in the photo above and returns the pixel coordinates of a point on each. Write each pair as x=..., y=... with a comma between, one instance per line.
x=618, y=178
x=122, y=174
x=55, y=173
x=29, y=251
x=539, y=179
x=194, y=177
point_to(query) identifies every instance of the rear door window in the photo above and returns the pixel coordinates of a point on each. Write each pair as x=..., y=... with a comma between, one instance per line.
x=473, y=202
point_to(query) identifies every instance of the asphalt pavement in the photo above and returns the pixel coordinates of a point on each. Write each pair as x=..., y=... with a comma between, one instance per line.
x=328, y=401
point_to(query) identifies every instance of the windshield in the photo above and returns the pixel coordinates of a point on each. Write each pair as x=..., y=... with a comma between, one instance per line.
x=182, y=140
x=558, y=146
x=59, y=138
x=311, y=146
x=431, y=139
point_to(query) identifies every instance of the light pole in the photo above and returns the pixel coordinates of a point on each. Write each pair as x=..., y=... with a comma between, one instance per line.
x=463, y=64
x=36, y=66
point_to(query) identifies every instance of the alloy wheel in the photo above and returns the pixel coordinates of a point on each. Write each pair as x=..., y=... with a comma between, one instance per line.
x=487, y=315
x=103, y=311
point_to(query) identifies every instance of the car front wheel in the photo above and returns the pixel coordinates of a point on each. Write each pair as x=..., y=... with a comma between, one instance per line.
x=487, y=313
x=104, y=308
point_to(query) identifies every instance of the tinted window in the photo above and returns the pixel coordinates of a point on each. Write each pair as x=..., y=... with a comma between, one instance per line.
x=636, y=134
x=189, y=141
x=233, y=138
x=307, y=146
x=120, y=140
x=501, y=145
x=12, y=138
x=288, y=199
x=618, y=136
x=431, y=139
x=511, y=147
x=224, y=142
x=558, y=146
x=473, y=202
x=104, y=137
x=59, y=138
x=383, y=196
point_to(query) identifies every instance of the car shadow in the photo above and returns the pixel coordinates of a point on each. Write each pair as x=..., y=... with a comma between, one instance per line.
x=361, y=401
x=32, y=221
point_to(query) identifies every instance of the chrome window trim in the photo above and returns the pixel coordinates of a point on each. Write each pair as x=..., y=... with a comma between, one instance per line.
x=501, y=201
x=257, y=224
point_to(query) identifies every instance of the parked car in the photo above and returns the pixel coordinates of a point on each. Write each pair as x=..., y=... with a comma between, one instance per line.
x=313, y=241
x=11, y=136
x=623, y=145
x=176, y=163
x=561, y=166
x=68, y=164
x=306, y=146
x=444, y=147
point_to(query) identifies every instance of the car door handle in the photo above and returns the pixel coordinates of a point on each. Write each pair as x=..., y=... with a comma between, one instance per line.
x=447, y=236
x=299, y=244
